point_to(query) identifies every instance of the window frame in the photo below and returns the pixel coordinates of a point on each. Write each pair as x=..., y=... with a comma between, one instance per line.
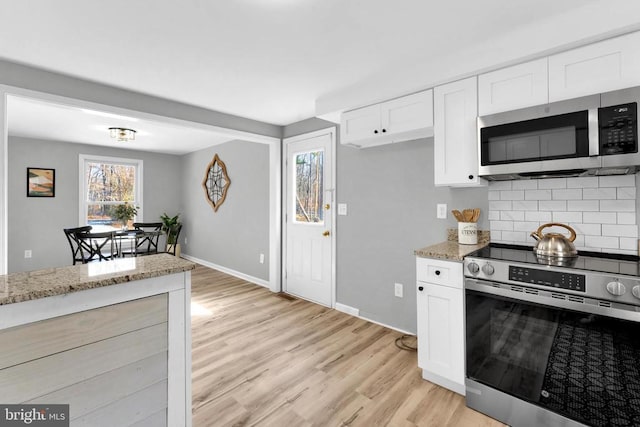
x=138, y=185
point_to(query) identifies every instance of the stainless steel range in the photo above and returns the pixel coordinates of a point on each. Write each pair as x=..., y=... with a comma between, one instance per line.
x=553, y=345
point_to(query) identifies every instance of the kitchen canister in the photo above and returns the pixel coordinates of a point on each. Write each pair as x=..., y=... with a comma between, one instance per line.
x=468, y=233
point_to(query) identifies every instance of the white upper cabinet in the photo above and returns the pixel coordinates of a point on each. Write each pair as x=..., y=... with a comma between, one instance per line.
x=455, y=133
x=520, y=86
x=401, y=119
x=600, y=67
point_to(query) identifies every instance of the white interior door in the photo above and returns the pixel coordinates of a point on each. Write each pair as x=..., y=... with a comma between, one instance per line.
x=309, y=218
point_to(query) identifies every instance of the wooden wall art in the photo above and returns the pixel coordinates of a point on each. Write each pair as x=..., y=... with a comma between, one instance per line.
x=216, y=183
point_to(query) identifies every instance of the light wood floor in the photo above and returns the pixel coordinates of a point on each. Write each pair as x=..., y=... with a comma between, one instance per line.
x=260, y=359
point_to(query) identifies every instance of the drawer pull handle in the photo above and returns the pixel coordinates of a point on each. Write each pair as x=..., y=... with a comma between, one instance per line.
x=437, y=272
x=421, y=288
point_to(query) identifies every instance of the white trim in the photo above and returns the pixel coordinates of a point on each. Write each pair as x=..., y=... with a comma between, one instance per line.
x=139, y=193
x=332, y=132
x=355, y=312
x=347, y=309
x=275, y=167
x=234, y=273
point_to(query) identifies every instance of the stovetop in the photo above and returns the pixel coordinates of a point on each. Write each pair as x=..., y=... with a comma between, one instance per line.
x=588, y=261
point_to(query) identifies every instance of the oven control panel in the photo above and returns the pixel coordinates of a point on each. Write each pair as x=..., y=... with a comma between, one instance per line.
x=618, y=129
x=553, y=279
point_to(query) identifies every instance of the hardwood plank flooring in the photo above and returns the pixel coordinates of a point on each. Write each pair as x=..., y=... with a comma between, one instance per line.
x=263, y=360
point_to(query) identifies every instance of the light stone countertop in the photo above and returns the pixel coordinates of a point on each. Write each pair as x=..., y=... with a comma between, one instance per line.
x=451, y=249
x=25, y=286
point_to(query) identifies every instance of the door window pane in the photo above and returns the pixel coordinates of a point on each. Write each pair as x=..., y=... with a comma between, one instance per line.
x=309, y=189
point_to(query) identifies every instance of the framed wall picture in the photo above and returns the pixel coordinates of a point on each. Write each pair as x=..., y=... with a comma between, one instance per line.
x=41, y=182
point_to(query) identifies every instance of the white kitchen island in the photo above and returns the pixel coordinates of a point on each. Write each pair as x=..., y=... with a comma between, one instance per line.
x=111, y=339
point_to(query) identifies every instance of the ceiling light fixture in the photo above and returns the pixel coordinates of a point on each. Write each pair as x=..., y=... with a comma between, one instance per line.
x=122, y=134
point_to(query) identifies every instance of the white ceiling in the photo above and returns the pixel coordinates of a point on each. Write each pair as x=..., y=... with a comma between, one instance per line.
x=268, y=60
x=30, y=118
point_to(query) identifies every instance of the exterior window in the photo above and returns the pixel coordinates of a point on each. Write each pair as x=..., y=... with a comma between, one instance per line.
x=309, y=192
x=106, y=182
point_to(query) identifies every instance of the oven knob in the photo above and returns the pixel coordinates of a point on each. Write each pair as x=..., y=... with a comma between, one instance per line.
x=636, y=291
x=488, y=269
x=473, y=267
x=616, y=288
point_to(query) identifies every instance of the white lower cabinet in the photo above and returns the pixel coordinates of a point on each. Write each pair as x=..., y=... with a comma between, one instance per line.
x=441, y=322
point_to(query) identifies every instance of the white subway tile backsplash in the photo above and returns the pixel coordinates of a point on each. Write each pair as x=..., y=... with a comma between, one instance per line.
x=586, y=182
x=590, y=229
x=502, y=205
x=626, y=218
x=552, y=205
x=512, y=195
x=601, y=242
x=552, y=183
x=515, y=236
x=628, y=243
x=617, y=181
x=599, y=193
x=599, y=218
x=525, y=184
x=583, y=205
x=524, y=205
x=501, y=225
x=500, y=185
x=567, y=194
x=602, y=210
x=626, y=193
x=620, y=230
x=617, y=205
x=537, y=195
x=567, y=217
x=512, y=215
x=528, y=226
x=538, y=216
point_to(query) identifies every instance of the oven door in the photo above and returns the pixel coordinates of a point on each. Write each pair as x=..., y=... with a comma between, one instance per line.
x=579, y=360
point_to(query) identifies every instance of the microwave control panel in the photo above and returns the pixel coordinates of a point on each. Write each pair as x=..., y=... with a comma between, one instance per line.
x=618, y=127
x=553, y=279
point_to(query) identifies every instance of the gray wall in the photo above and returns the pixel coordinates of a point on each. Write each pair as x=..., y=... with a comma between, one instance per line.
x=391, y=203
x=235, y=235
x=37, y=223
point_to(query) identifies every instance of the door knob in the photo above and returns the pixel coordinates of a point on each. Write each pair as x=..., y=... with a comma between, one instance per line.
x=326, y=233
x=327, y=206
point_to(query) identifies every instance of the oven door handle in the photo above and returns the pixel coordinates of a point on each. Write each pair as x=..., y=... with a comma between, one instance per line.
x=594, y=132
x=543, y=297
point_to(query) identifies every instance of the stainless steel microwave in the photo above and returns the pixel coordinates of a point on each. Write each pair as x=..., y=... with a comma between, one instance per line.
x=592, y=135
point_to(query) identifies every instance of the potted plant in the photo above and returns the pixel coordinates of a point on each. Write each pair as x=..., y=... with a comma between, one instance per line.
x=171, y=226
x=125, y=213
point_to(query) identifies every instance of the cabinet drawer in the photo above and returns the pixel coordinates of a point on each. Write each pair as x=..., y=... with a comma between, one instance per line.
x=447, y=273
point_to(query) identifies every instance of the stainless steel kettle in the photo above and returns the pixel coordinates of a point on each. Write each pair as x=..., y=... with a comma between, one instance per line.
x=554, y=245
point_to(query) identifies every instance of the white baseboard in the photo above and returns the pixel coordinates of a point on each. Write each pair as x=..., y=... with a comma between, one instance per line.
x=356, y=312
x=347, y=309
x=255, y=280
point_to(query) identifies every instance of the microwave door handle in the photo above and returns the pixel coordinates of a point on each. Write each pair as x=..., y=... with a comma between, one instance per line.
x=594, y=133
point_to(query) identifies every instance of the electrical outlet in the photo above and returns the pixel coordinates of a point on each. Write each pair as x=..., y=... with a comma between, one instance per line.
x=27, y=253
x=441, y=212
x=342, y=208
x=185, y=240
x=261, y=258
x=398, y=290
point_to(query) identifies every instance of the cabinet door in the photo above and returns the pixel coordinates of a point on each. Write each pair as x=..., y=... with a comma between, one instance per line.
x=520, y=86
x=455, y=134
x=408, y=113
x=363, y=123
x=441, y=331
x=600, y=67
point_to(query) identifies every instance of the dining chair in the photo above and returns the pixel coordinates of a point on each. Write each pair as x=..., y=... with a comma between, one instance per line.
x=97, y=246
x=75, y=242
x=175, y=234
x=146, y=239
